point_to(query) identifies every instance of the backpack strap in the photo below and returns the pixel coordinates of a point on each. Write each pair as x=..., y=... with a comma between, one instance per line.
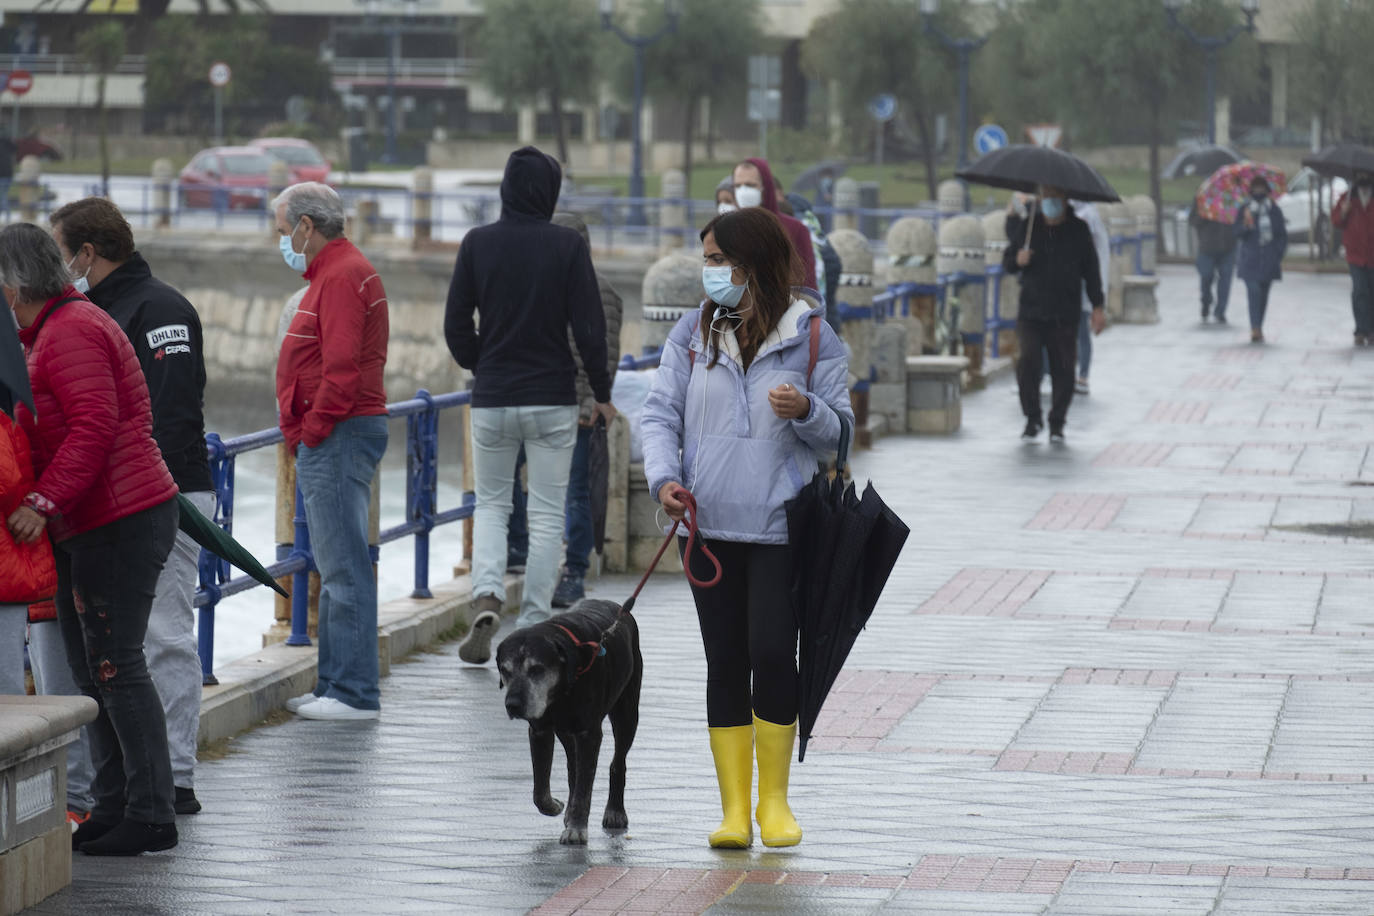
x=52, y=311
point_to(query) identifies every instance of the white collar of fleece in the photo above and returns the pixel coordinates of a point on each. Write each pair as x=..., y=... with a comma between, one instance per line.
x=785, y=329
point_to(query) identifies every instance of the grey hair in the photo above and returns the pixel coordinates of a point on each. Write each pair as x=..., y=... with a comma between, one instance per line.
x=31, y=263
x=318, y=201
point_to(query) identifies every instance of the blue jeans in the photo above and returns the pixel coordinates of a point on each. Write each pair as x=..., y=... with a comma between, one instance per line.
x=336, y=483
x=578, y=508
x=1258, y=294
x=1221, y=266
x=549, y=435
x=52, y=676
x=1362, y=299
x=518, y=537
x=1085, y=344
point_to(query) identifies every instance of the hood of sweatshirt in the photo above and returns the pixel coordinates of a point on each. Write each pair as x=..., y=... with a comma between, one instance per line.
x=770, y=190
x=529, y=189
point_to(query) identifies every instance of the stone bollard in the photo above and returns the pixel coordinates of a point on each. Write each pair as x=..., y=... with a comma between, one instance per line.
x=1004, y=290
x=423, y=193
x=949, y=197
x=961, y=252
x=1120, y=226
x=163, y=179
x=672, y=288
x=365, y=222
x=30, y=188
x=672, y=215
x=856, y=291
x=887, y=395
x=846, y=203
x=1143, y=209
x=911, y=255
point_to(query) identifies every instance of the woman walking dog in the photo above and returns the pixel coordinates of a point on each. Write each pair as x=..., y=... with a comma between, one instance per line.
x=750, y=392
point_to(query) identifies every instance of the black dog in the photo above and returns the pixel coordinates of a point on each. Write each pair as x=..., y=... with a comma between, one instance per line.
x=564, y=676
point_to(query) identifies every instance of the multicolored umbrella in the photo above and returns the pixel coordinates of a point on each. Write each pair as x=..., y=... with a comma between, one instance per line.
x=1227, y=190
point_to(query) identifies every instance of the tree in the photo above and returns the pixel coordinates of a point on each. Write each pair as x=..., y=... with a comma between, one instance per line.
x=548, y=49
x=701, y=59
x=100, y=48
x=868, y=47
x=1330, y=45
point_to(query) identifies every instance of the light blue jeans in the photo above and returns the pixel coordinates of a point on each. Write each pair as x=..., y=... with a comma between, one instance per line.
x=549, y=435
x=336, y=483
x=52, y=676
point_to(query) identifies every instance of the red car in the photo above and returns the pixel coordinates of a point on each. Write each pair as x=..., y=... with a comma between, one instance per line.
x=226, y=178
x=300, y=156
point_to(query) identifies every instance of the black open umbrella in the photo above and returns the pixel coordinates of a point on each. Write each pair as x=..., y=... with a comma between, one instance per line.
x=844, y=547
x=222, y=544
x=14, y=373
x=1199, y=161
x=598, y=481
x=1342, y=161
x=1024, y=168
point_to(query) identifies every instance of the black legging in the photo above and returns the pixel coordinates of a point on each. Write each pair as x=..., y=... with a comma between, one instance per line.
x=750, y=633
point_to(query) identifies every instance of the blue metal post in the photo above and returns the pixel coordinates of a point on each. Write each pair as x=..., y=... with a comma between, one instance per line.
x=422, y=434
x=300, y=582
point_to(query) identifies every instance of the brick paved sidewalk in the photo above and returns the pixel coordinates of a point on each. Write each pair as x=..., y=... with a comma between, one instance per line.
x=1132, y=674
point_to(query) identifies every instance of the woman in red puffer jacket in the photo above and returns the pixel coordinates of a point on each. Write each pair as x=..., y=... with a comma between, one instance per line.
x=107, y=501
x=27, y=573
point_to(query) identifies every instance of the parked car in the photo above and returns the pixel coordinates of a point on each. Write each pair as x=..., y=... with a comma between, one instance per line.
x=1301, y=205
x=300, y=156
x=226, y=178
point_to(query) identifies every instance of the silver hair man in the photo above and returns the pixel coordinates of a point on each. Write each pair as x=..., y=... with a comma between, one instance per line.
x=318, y=201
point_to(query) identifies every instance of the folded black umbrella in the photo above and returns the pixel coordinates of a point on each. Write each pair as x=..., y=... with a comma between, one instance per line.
x=222, y=544
x=1025, y=168
x=598, y=481
x=1342, y=161
x=1199, y=161
x=14, y=373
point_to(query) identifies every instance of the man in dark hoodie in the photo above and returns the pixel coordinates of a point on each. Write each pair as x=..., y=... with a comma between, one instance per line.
x=531, y=283
x=756, y=187
x=1057, y=265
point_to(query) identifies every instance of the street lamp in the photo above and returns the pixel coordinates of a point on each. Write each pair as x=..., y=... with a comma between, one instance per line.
x=963, y=48
x=638, y=43
x=1211, y=44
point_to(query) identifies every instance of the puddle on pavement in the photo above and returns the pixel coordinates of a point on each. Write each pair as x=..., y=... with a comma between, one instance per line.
x=1364, y=530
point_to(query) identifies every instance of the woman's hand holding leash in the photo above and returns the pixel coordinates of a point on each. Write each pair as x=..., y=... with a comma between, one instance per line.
x=674, y=507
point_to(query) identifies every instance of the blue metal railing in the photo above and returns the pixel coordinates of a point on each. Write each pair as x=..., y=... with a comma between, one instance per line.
x=296, y=560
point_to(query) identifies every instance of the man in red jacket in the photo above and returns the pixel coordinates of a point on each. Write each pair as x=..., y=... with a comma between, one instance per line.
x=332, y=411
x=1354, y=215
x=755, y=187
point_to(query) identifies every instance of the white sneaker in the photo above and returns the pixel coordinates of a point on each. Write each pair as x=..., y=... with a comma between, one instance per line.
x=476, y=648
x=329, y=708
x=295, y=703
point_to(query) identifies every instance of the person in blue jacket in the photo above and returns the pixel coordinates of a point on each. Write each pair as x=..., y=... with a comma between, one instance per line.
x=1263, y=241
x=738, y=416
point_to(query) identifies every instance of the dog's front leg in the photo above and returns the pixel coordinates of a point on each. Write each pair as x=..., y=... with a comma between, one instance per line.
x=582, y=749
x=541, y=755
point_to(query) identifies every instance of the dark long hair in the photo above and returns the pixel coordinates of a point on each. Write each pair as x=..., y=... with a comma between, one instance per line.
x=753, y=239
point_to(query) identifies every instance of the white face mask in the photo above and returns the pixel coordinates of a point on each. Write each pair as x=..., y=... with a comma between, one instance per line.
x=748, y=196
x=81, y=284
x=724, y=207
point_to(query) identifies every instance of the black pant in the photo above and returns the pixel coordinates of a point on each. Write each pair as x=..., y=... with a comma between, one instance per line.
x=749, y=629
x=106, y=579
x=1060, y=342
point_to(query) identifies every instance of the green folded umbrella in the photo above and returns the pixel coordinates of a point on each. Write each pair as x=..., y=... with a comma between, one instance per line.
x=219, y=542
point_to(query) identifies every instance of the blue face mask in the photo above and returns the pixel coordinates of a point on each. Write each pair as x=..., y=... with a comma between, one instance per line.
x=1052, y=207
x=294, y=259
x=719, y=287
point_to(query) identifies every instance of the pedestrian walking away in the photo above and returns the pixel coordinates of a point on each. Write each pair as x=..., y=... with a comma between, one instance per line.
x=1216, y=260
x=98, y=246
x=105, y=497
x=331, y=404
x=1354, y=216
x=1052, y=252
x=750, y=392
x=1263, y=241
x=531, y=282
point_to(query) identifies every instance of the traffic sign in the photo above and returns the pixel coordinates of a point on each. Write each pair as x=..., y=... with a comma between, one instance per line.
x=989, y=137
x=765, y=104
x=20, y=82
x=220, y=74
x=1045, y=134
x=883, y=107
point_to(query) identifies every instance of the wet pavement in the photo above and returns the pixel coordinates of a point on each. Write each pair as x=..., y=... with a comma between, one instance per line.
x=1129, y=674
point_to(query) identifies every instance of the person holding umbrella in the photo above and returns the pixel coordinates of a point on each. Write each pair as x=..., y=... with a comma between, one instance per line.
x=752, y=387
x=1354, y=216
x=1263, y=240
x=1054, y=256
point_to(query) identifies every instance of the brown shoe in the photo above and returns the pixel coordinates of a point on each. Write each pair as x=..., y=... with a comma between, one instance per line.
x=1256, y=336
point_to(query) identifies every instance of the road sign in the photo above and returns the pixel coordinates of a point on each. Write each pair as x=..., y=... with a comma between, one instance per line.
x=1045, y=134
x=220, y=74
x=883, y=107
x=765, y=104
x=989, y=137
x=20, y=82
x=765, y=71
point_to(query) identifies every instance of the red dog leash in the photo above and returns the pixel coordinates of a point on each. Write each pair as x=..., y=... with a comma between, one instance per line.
x=685, y=497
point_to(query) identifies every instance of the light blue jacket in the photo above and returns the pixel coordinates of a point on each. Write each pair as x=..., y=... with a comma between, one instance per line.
x=714, y=432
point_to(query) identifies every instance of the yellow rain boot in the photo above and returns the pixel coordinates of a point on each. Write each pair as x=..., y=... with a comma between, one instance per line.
x=774, y=745
x=732, y=748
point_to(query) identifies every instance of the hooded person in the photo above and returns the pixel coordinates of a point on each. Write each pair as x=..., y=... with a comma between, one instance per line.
x=725, y=195
x=755, y=186
x=531, y=282
x=1354, y=216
